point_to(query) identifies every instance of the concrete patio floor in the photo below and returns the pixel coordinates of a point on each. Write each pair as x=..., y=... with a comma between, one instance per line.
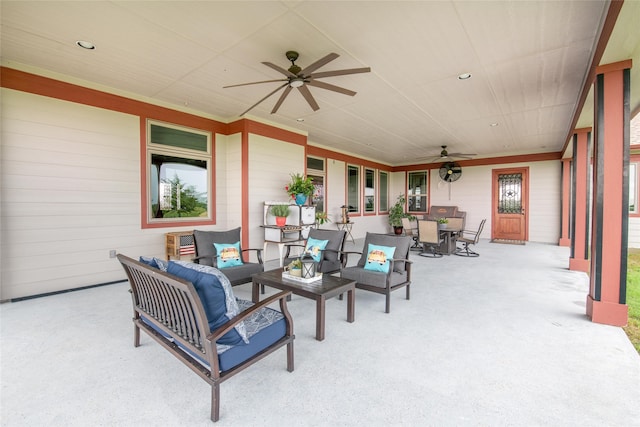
x=502, y=339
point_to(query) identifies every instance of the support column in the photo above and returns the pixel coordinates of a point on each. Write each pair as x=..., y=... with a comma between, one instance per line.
x=565, y=240
x=606, y=302
x=580, y=180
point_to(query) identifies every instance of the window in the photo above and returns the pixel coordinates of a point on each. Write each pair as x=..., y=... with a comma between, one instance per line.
x=417, y=191
x=315, y=171
x=383, y=191
x=633, y=188
x=179, y=173
x=353, y=188
x=369, y=190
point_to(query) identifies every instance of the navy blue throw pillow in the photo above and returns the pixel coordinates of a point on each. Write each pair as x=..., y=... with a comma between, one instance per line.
x=212, y=295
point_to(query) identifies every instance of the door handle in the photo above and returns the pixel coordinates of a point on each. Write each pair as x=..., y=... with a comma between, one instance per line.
x=522, y=211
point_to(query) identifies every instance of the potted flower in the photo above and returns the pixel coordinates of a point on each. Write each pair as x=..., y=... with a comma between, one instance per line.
x=281, y=212
x=295, y=267
x=300, y=188
x=396, y=213
x=442, y=223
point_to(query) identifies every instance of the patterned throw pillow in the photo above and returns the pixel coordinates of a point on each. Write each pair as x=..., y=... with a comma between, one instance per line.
x=228, y=254
x=315, y=248
x=378, y=258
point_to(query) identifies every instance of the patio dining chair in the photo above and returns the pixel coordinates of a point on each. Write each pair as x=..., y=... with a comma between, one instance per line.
x=430, y=238
x=468, y=238
x=411, y=229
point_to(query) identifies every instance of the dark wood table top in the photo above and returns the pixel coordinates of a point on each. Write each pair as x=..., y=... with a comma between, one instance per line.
x=328, y=286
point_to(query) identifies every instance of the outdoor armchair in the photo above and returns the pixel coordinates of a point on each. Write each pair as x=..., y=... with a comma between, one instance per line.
x=333, y=257
x=231, y=261
x=383, y=266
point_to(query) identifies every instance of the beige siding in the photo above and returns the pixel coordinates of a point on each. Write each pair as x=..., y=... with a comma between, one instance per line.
x=70, y=193
x=270, y=164
x=472, y=193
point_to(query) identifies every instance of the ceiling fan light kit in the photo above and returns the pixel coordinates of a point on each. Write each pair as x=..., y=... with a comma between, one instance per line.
x=300, y=78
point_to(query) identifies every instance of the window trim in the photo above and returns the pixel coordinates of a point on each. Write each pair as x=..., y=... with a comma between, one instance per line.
x=358, y=168
x=364, y=187
x=380, y=210
x=409, y=195
x=148, y=148
x=635, y=160
x=320, y=173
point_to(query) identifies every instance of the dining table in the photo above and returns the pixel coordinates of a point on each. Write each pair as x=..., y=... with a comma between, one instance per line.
x=449, y=242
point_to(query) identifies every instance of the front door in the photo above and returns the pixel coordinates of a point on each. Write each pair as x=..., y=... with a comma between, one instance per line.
x=510, y=203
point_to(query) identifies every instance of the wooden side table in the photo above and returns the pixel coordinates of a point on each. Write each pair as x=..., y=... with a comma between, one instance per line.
x=179, y=243
x=346, y=226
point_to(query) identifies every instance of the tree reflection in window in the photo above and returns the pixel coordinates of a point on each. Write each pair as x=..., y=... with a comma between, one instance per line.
x=178, y=187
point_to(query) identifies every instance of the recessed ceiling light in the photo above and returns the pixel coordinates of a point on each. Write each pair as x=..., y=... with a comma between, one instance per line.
x=300, y=120
x=493, y=125
x=85, y=45
x=464, y=76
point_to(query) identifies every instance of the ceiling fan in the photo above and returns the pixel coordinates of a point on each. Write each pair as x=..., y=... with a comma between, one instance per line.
x=444, y=154
x=300, y=78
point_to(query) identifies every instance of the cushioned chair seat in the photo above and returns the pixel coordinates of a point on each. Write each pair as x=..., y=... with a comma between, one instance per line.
x=264, y=328
x=240, y=273
x=374, y=278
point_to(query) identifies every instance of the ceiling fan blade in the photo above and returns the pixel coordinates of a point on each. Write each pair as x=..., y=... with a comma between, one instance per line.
x=319, y=63
x=327, y=86
x=271, y=93
x=304, y=90
x=255, y=83
x=279, y=69
x=462, y=155
x=340, y=72
x=281, y=99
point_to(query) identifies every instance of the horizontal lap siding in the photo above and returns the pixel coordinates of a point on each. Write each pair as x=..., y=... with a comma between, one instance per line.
x=270, y=164
x=70, y=193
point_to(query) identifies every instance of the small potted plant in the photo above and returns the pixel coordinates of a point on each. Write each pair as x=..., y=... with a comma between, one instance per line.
x=300, y=188
x=396, y=213
x=281, y=212
x=322, y=217
x=295, y=267
x=442, y=223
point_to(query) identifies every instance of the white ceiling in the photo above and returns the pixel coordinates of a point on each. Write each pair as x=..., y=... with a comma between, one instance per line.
x=529, y=61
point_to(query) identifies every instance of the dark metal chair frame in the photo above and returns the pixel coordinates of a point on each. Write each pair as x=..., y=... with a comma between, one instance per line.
x=467, y=241
x=173, y=306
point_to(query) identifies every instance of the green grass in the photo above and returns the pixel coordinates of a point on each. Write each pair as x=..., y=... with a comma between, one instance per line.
x=633, y=297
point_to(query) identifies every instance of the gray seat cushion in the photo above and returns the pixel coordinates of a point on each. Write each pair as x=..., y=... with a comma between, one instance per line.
x=242, y=273
x=373, y=278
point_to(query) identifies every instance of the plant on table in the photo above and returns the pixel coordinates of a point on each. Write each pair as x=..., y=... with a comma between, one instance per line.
x=322, y=217
x=279, y=210
x=443, y=221
x=300, y=185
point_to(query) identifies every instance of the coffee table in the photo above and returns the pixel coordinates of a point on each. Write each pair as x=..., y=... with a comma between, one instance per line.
x=319, y=290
